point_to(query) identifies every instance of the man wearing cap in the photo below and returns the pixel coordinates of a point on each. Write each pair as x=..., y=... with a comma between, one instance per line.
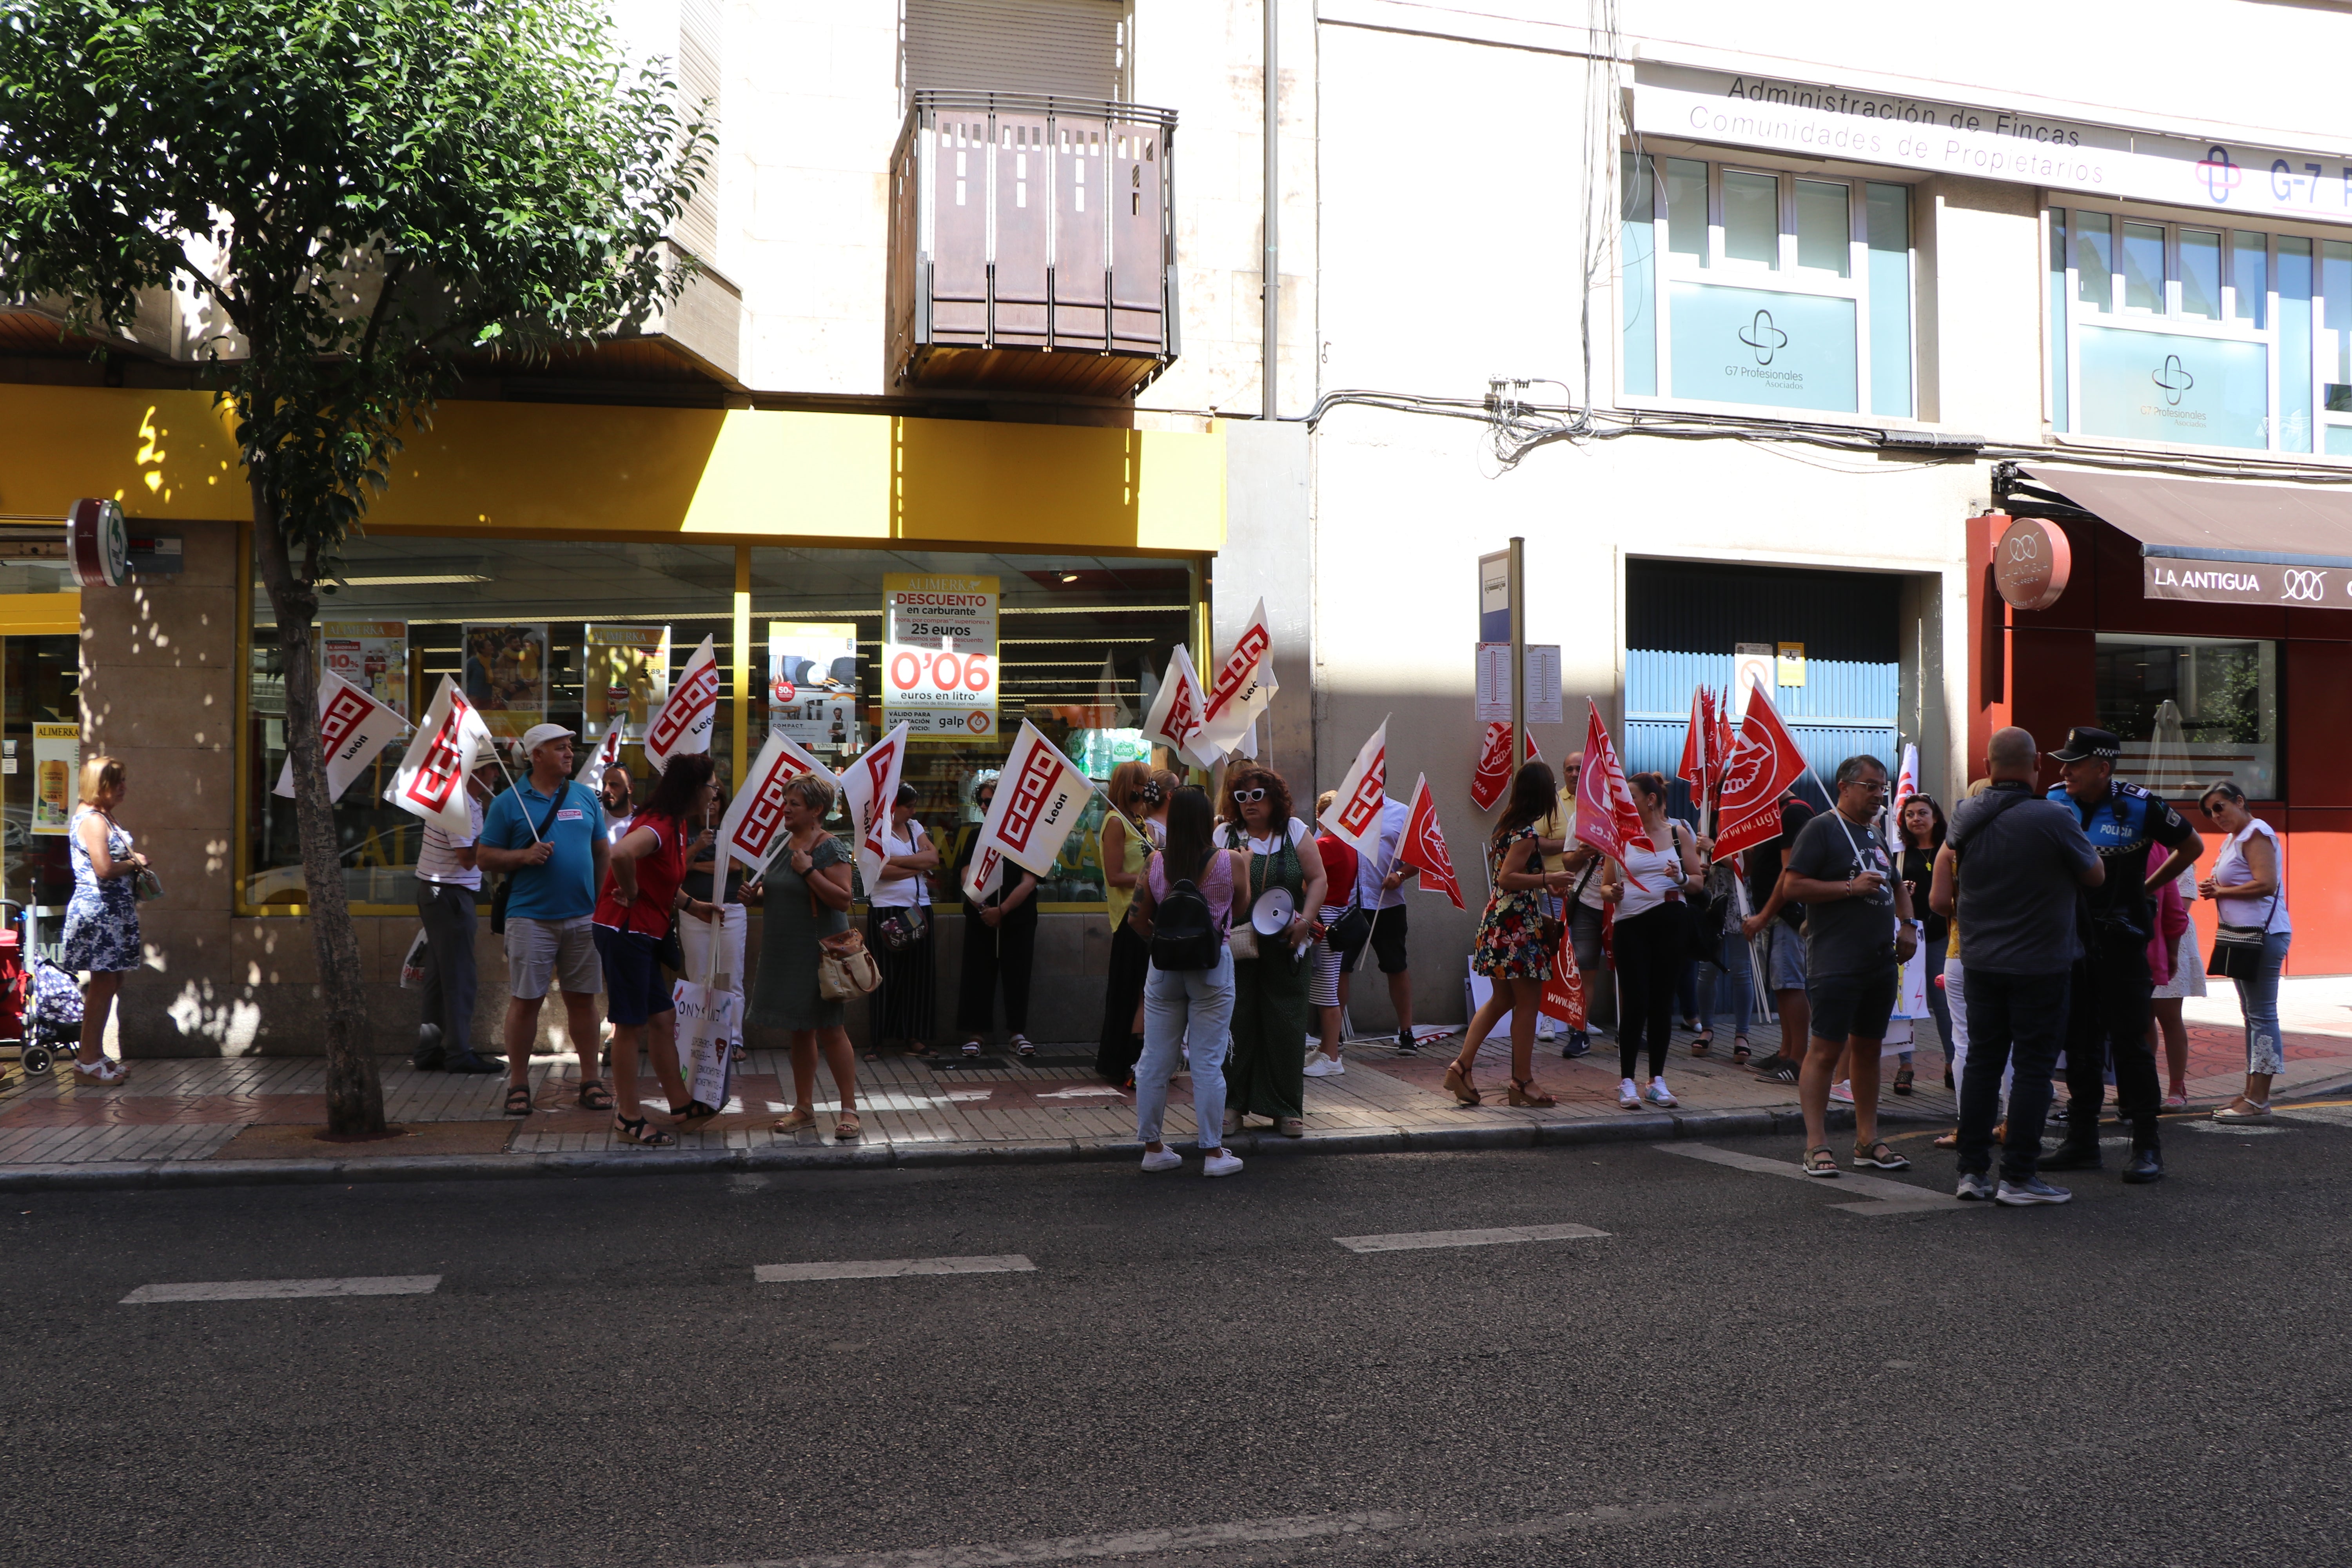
x=546, y=833
x=2108, y=1007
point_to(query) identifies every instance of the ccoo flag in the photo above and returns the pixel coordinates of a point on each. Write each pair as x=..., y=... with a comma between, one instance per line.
x=603, y=760
x=1180, y=712
x=353, y=728
x=868, y=786
x=754, y=822
x=683, y=726
x=1040, y=796
x=431, y=783
x=1423, y=846
x=1243, y=689
x=1355, y=814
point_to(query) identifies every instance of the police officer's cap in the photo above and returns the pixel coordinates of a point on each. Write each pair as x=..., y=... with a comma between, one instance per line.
x=2085, y=740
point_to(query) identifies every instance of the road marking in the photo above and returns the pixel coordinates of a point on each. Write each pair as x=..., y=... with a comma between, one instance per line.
x=1078, y=1094
x=891, y=1269
x=1412, y=1240
x=284, y=1289
x=1153, y=1544
x=1885, y=1197
x=2256, y=1131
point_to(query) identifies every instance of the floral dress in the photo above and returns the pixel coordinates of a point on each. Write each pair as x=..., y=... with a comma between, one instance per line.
x=1511, y=943
x=102, y=918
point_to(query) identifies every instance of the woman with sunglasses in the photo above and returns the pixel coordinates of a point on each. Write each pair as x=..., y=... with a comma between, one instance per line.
x=1266, y=1073
x=2248, y=886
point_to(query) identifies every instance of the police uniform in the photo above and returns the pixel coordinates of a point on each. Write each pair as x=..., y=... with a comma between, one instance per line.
x=2108, y=1009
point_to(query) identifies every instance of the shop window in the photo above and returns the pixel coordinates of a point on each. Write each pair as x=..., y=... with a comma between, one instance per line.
x=1761, y=289
x=2192, y=711
x=40, y=678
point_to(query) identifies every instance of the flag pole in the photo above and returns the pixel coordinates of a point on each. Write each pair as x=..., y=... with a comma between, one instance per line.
x=515, y=788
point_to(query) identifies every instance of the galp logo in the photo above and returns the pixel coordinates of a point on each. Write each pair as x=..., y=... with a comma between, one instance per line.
x=1765, y=338
x=2174, y=378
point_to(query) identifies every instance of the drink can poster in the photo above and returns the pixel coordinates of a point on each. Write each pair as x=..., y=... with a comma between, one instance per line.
x=505, y=673
x=371, y=656
x=813, y=683
x=626, y=678
x=938, y=655
x=56, y=758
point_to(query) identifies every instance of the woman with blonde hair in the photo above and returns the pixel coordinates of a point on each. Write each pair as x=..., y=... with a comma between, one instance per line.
x=101, y=930
x=1126, y=844
x=806, y=892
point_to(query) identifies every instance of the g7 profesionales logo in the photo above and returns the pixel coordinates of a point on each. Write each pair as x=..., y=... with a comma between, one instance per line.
x=2174, y=378
x=1762, y=336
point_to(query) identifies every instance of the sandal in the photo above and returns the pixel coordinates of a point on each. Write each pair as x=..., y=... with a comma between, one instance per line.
x=518, y=1100
x=1820, y=1162
x=846, y=1128
x=1739, y=1052
x=1458, y=1084
x=1880, y=1154
x=1902, y=1080
x=695, y=1111
x=1949, y=1139
x=971, y=1047
x=1530, y=1092
x=1704, y=1043
x=632, y=1130
x=594, y=1096
x=794, y=1121
x=1022, y=1047
x=105, y=1070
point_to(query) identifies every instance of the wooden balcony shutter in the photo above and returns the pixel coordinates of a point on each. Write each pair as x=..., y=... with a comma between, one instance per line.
x=1066, y=47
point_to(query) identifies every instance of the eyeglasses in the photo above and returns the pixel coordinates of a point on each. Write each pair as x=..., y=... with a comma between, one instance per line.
x=1248, y=797
x=1868, y=786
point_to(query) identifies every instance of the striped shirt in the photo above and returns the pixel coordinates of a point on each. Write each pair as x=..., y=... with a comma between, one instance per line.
x=438, y=862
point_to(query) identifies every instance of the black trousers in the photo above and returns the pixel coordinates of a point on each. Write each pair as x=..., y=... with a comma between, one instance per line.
x=1649, y=956
x=2024, y=1015
x=448, y=916
x=1119, y=1044
x=2107, y=1016
x=1001, y=954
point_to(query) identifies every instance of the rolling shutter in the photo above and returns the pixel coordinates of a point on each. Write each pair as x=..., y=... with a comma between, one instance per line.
x=1069, y=49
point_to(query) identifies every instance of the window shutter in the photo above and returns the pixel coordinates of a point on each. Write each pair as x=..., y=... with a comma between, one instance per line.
x=1069, y=49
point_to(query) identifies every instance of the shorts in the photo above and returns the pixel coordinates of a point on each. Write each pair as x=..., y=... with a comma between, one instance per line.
x=1852, y=1006
x=540, y=952
x=634, y=987
x=1388, y=939
x=1784, y=956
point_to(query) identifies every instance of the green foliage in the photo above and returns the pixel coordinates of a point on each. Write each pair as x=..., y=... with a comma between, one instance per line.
x=356, y=192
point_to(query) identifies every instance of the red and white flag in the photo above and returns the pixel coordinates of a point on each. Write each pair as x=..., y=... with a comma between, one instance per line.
x=353, y=728
x=605, y=758
x=1723, y=744
x=1763, y=766
x=1563, y=991
x=1355, y=815
x=1040, y=796
x=1606, y=817
x=1180, y=712
x=1423, y=846
x=1494, y=775
x=1906, y=783
x=868, y=785
x=1243, y=689
x=431, y=783
x=754, y=823
x=683, y=726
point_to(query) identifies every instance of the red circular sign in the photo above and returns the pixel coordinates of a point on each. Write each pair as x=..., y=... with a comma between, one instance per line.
x=2032, y=561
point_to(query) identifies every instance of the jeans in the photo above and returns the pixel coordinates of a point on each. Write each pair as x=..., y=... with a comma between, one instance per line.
x=2107, y=1015
x=2258, y=999
x=1182, y=1005
x=1735, y=986
x=2020, y=1016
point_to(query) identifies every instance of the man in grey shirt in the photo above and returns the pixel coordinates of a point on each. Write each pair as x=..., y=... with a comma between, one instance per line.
x=2008, y=870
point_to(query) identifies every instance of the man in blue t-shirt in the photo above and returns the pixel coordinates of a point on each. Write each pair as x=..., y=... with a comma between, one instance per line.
x=546, y=833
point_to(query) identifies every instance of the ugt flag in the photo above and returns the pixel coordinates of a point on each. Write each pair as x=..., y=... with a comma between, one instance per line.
x=1040, y=796
x=869, y=784
x=1180, y=712
x=1494, y=774
x=683, y=725
x=1606, y=817
x=1355, y=814
x=353, y=728
x=754, y=824
x=1762, y=767
x=431, y=783
x=1243, y=689
x=1423, y=846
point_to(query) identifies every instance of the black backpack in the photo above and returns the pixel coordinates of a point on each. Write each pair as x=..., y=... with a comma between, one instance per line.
x=1184, y=935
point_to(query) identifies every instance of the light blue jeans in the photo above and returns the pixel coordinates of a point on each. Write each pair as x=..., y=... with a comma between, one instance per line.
x=1185, y=1009
x=2258, y=999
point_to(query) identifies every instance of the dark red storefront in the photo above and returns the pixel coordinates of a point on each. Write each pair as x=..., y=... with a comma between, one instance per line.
x=2267, y=670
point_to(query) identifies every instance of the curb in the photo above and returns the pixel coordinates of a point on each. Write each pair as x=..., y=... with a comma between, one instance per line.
x=184, y=1173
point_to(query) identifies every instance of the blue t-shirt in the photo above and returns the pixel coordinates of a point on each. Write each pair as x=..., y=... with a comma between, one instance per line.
x=565, y=888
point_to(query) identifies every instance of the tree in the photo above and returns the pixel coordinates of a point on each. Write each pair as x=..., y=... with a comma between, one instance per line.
x=360, y=195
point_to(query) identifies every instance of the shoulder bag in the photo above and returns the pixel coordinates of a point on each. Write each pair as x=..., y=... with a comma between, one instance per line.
x=844, y=968
x=1241, y=937
x=2238, y=949
x=506, y=883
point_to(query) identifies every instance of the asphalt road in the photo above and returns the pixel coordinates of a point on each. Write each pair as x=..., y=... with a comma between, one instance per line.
x=1737, y=1372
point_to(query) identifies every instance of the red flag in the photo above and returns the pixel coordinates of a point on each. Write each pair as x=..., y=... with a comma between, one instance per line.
x=1697, y=763
x=1762, y=767
x=1719, y=730
x=1606, y=817
x=1563, y=991
x=1423, y=846
x=1494, y=774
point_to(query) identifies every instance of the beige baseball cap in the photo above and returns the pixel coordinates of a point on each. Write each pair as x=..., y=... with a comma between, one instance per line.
x=539, y=735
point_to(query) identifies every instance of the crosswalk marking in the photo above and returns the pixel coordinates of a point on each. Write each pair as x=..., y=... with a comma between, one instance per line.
x=284, y=1289
x=1410, y=1240
x=1885, y=1197
x=891, y=1269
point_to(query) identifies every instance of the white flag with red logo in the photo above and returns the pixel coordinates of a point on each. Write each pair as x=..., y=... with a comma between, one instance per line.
x=754, y=824
x=605, y=758
x=1606, y=817
x=868, y=785
x=1763, y=766
x=431, y=783
x=353, y=728
x=1355, y=814
x=1423, y=846
x=1180, y=712
x=1906, y=782
x=683, y=726
x=1040, y=796
x=1494, y=774
x=1243, y=689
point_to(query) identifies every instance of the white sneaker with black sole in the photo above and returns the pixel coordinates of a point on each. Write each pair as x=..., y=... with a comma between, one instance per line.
x=1320, y=1066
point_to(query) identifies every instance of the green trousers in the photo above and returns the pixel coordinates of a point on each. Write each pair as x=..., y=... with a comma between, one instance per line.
x=1264, y=1069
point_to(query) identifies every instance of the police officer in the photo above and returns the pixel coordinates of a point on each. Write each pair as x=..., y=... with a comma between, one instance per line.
x=2108, y=1005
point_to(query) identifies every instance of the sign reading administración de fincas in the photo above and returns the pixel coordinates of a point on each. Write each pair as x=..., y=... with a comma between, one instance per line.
x=938, y=655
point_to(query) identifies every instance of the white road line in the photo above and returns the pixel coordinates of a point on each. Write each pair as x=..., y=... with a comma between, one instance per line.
x=1411, y=1240
x=1886, y=1197
x=284, y=1289
x=891, y=1269
x=1153, y=1544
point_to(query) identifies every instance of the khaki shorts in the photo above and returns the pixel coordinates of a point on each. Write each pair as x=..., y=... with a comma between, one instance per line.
x=563, y=951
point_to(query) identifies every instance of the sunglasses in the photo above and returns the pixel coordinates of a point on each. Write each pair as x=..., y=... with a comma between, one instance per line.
x=1249, y=796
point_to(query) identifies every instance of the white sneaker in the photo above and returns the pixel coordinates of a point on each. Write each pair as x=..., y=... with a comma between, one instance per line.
x=1628, y=1097
x=1223, y=1162
x=1165, y=1160
x=1320, y=1066
x=1660, y=1095
x=1842, y=1093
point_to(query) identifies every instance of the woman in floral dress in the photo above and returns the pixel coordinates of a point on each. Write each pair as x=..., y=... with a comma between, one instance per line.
x=1516, y=939
x=102, y=932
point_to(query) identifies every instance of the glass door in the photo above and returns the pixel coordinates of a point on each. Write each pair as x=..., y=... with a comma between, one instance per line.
x=40, y=753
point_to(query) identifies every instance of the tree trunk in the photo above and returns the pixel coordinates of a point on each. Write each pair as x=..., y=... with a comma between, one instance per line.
x=354, y=1092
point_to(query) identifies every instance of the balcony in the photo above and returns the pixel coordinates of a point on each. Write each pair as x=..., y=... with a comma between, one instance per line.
x=1032, y=246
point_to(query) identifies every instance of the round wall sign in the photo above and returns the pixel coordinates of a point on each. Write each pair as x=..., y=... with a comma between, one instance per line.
x=2032, y=561
x=99, y=545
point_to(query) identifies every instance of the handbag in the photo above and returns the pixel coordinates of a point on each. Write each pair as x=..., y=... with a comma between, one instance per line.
x=897, y=928
x=844, y=968
x=149, y=886
x=2238, y=949
x=506, y=883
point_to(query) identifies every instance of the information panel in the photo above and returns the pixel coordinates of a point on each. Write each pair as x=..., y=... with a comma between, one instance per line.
x=938, y=655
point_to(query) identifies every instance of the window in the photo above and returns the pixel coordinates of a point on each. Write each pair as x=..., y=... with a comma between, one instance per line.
x=2196, y=336
x=1760, y=288
x=2192, y=711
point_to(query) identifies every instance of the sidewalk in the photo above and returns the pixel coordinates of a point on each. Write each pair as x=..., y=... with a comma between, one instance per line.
x=206, y=1120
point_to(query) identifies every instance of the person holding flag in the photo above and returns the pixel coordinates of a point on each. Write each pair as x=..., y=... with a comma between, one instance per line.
x=641, y=893
x=1515, y=939
x=1000, y=943
x=448, y=885
x=1594, y=888
x=1660, y=869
